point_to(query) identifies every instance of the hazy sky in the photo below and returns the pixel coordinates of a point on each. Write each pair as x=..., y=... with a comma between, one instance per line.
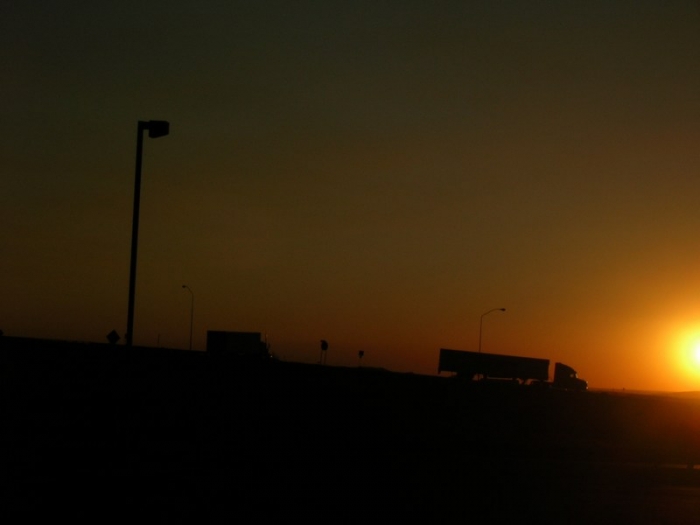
x=377, y=174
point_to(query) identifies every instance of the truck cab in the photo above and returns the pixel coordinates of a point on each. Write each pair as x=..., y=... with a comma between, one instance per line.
x=566, y=378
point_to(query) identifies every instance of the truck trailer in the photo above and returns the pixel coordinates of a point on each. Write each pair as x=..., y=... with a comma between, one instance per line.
x=525, y=370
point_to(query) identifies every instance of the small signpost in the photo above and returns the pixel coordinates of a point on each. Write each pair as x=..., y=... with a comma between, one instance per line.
x=324, y=347
x=113, y=337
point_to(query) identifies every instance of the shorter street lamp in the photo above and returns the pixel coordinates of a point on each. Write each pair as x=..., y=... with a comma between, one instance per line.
x=481, y=322
x=191, y=311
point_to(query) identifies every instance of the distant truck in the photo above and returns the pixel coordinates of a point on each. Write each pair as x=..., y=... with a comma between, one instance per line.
x=525, y=370
x=242, y=345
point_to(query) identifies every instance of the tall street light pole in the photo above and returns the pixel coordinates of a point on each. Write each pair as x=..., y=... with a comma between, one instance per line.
x=191, y=312
x=156, y=128
x=481, y=322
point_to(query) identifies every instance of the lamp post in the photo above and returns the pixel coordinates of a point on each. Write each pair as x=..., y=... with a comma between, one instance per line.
x=156, y=128
x=481, y=322
x=191, y=312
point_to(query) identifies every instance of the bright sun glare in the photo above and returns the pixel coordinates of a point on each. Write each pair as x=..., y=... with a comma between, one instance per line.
x=695, y=354
x=690, y=352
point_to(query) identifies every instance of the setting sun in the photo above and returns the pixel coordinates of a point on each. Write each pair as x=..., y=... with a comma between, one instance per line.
x=694, y=355
x=689, y=352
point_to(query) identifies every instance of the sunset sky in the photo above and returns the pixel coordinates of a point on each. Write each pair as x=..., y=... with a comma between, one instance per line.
x=378, y=174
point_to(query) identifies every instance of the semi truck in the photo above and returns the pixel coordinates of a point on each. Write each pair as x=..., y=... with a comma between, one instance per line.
x=524, y=370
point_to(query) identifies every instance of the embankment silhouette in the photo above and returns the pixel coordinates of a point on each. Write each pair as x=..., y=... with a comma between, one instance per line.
x=185, y=435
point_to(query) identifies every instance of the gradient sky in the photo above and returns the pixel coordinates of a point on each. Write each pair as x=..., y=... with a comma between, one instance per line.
x=377, y=174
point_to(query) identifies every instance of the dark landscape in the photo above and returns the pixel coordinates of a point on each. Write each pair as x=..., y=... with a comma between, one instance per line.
x=92, y=431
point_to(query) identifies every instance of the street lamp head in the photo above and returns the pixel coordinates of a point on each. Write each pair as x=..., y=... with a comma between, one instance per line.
x=481, y=321
x=157, y=128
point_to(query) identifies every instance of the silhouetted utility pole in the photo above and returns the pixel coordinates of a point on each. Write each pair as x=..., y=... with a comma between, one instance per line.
x=156, y=128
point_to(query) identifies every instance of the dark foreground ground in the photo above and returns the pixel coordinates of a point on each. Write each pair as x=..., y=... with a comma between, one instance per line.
x=91, y=432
